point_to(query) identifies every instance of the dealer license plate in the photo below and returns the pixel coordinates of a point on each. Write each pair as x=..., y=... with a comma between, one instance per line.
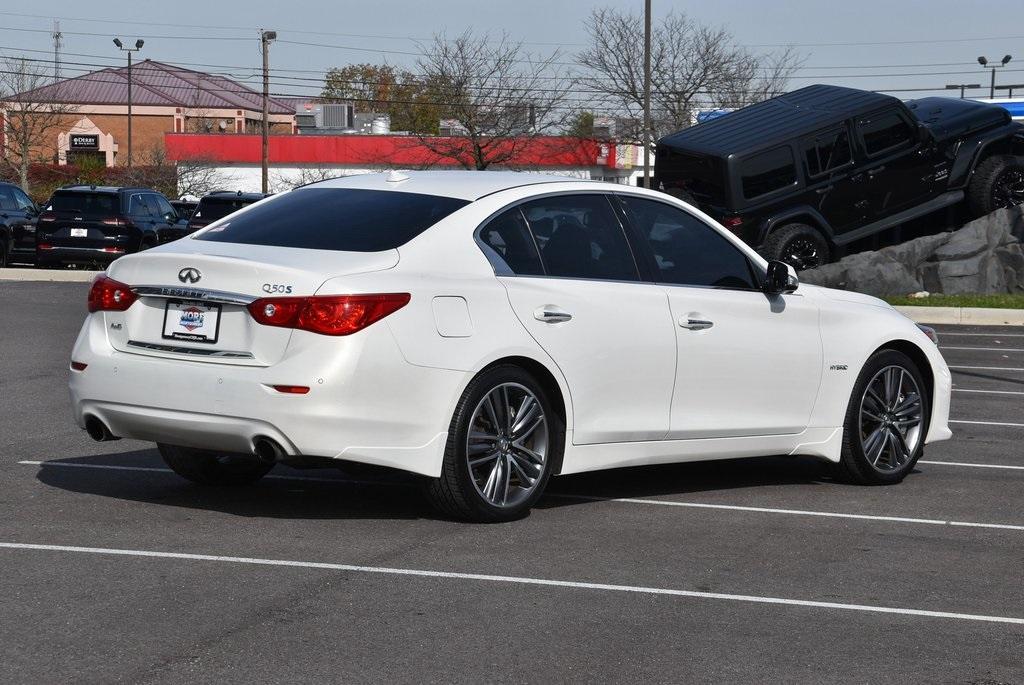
x=191, y=321
x=79, y=232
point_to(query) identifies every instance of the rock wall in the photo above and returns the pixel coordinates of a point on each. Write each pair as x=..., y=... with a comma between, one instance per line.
x=985, y=256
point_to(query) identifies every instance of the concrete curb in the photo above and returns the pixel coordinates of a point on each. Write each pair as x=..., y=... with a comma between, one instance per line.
x=49, y=275
x=966, y=316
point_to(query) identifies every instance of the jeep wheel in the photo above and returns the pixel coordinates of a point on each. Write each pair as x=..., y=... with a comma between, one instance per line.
x=998, y=182
x=799, y=245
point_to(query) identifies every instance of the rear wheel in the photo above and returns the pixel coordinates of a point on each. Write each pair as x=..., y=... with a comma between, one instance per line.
x=998, y=182
x=886, y=421
x=504, y=440
x=207, y=467
x=799, y=245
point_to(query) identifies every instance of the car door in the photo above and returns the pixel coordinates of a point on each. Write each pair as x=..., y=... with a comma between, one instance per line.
x=167, y=223
x=892, y=170
x=10, y=217
x=839, y=192
x=141, y=211
x=748, y=364
x=23, y=224
x=578, y=293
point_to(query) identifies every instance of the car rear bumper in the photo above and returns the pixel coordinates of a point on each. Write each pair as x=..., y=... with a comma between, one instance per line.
x=365, y=403
x=76, y=255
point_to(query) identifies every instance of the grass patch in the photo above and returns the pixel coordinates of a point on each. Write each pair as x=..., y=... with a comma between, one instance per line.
x=1001, y=301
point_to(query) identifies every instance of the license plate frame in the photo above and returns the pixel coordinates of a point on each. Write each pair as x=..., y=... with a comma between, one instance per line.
x=182, y=328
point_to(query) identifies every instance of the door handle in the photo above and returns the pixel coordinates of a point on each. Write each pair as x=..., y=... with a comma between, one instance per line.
x=877, y=170
x=550, y=313
x=822, y=191
x=695, y=324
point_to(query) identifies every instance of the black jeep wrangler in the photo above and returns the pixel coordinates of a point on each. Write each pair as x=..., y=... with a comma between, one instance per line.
x=805, y=173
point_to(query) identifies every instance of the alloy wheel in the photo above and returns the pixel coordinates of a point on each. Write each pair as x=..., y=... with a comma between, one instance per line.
x=1008, y=189
x=507, y=445
x=891, y=419
x=802, y=253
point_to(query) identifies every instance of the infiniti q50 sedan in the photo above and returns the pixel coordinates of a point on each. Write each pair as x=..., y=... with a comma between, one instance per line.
x=488, y=330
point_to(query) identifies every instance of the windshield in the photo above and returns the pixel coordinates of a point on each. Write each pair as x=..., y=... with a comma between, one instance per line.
x=344, y=219
x=84, y=203
x=212, y=208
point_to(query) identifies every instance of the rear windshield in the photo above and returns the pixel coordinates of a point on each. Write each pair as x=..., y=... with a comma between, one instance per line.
x=344, y=219
x=213, y=208
x=85, y=203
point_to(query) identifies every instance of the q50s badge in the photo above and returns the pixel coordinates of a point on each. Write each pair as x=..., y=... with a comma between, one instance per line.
x=272, y=288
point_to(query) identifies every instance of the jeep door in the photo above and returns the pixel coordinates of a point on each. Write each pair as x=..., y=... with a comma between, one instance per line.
x=748, y=363
x=838, y=190
x=892, y=167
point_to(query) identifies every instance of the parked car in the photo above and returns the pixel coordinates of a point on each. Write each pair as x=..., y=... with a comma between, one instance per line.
x=219, y=204
x=87, y=224
x=18, y=214
x=184, y=208
x=805, y=173
x=488, y=331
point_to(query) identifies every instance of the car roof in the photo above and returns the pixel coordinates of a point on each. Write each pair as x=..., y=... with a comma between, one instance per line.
x=84, y=188
x=229, y=194
x=461, y=184
x=776, y=121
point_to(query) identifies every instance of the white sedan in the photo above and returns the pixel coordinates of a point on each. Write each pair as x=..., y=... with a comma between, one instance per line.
x=488, y=330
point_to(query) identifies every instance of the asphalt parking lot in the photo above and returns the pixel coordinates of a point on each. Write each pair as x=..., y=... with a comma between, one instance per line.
x=112, y=569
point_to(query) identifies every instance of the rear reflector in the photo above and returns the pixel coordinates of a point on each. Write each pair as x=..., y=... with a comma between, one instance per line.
x=114, y=249
x=108, y=295
x=78, y=366
x=327, y=314
x=292, y=389
x=45, y=246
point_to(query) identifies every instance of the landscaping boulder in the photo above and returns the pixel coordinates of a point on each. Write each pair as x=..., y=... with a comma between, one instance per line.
x=985, y=256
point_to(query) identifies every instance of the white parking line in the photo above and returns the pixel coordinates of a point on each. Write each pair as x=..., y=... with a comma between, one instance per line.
x=985, y=368
x=519, y=580
x=990, y=392
x=990, y=423
x=982, y=349
x=971, y=465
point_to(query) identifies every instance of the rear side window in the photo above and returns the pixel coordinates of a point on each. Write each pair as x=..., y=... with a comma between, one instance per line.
x=767, y=172
x=580, y=237
x=884, y=132
x=827, y=151
x=509, y=245
x=7, y=198
x=213, y=208
x=343, y=219
x=87, y=204
x=686, y=250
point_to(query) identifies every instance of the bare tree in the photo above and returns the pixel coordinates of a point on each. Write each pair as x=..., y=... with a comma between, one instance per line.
x=193, y=177
x=30, y=126
x=495, y=97
x=306, y=176
x=692, y=67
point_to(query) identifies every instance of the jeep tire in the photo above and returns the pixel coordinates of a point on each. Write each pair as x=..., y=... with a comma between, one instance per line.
x=799, y=245
x=998, y=182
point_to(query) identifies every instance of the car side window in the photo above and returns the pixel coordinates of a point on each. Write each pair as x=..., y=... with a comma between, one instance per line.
x=688, y=251
x=767, y=172
x=884, y=131
x=579, y=236
x=137, y=206
x=7, y=198
x=22, y=200
x=163, y=208
x=509, y=245
x=827, y=151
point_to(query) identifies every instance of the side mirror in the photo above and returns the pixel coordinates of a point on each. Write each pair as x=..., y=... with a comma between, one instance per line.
x=781, y=278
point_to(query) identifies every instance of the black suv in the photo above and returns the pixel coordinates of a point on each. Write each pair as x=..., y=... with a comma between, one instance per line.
x=84, y=224
x=18, y=215
x=803, y=174
x=219, y=204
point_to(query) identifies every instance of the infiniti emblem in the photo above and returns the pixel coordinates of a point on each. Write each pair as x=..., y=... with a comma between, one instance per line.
x=189, y=275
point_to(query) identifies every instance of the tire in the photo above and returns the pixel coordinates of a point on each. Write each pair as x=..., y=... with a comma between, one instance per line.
x=901, y=431
x=799, y=245
x=465, y=492
x=212, y=468
x=998, y=182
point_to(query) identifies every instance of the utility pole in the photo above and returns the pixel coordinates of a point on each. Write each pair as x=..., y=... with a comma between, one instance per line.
x=138, y=46
x=57, y=45
x=647, y=94
x=265, y=38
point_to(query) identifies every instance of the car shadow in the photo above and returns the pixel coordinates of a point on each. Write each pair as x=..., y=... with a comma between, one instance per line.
x=287, y=493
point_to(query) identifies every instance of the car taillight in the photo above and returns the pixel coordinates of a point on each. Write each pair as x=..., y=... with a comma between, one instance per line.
x=47, y=216
x=114, y=222
x=108, y=295
x=732, y=221
x=45, y=246
x=327, y=314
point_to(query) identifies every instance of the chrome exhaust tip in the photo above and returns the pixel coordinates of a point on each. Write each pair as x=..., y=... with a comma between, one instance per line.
x=267, y=450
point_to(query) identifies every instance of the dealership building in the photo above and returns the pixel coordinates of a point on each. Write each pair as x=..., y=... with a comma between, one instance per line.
x=165, y=99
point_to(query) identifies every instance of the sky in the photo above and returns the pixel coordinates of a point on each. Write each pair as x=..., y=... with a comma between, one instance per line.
x=868, y=44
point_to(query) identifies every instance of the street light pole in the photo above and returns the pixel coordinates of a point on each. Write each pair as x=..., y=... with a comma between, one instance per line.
x=265, y=38
x=138, y=46
x=647, y=94
x=983, y=61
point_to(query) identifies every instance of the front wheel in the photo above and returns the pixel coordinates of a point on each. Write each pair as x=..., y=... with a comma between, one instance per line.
x=886, y=421
x=207, y=467
x=503, y=443
x=998, y=182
